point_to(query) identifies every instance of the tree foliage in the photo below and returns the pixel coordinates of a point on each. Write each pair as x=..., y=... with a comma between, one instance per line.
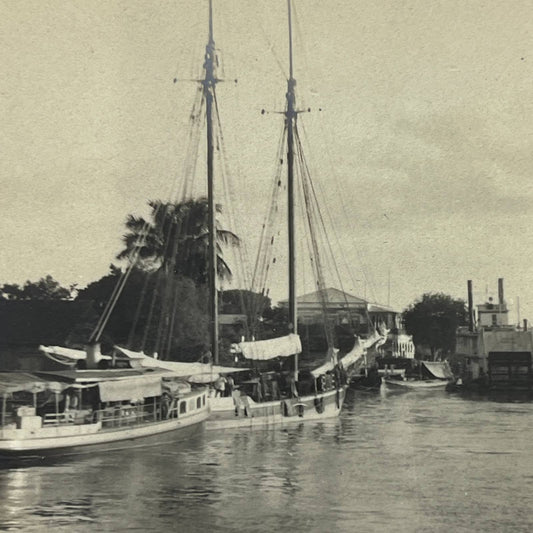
x=175, y=238
x=145, y=318
x=433, y=321
x=46, y=288
x=275, y=322
x=240, y=301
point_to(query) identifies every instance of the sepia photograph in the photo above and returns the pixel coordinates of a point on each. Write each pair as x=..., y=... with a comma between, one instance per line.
x=266, y=265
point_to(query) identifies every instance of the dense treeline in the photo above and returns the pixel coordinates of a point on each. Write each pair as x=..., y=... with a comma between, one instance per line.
x=163, y=307
x=433, y=320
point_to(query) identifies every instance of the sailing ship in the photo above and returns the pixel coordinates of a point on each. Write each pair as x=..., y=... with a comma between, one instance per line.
x=275, y=394
x=281, y=392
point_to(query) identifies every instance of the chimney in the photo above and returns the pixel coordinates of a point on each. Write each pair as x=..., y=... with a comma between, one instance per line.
x=93, y=355
x=500, y=291
x=525, y=324
x=470, y=307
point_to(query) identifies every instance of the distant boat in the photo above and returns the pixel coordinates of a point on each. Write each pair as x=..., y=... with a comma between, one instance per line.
x=432, y=375
x=493, y=355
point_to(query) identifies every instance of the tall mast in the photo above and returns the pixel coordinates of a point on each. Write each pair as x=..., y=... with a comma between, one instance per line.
x=290, y=120
x=209, y=84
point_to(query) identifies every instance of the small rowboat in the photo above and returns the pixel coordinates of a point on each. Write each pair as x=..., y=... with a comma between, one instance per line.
x=414, y=384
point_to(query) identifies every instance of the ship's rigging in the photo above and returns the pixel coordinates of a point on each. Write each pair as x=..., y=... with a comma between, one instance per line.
x=160, y=293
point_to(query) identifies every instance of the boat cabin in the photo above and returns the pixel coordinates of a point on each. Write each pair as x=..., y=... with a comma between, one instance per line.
x=109, y=399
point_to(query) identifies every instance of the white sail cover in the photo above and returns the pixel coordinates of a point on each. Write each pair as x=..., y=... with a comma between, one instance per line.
x=67, y=356
x=354, y=355
x=271, y=348
x=359, y=349
x=67, y=353
x=328, y=365
x=196, y=372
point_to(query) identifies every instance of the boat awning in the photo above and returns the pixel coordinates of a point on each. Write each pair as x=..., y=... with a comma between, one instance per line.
x=438, y=370
x=271, y=348
x=18, y=381
x=130, y=389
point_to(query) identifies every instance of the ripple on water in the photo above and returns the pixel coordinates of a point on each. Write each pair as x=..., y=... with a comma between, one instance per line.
x=402, y=462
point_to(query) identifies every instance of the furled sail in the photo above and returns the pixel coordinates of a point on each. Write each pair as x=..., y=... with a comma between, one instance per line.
x=67, y=356
x=271, y=348
x=354, y=355
x=195, y=372
x=329, y=365
x=359, y=349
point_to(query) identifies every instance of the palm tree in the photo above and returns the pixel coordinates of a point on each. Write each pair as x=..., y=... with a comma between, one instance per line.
x=176, y=240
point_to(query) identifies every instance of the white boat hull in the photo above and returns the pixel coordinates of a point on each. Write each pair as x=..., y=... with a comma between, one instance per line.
x=414, y=384
x=76, y=439
x=224, y=414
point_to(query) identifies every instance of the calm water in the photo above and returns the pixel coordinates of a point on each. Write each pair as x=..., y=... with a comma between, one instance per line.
x=393, y=462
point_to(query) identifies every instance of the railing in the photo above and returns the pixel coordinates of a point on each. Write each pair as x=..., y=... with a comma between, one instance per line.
x=127, y=415
x=58, y=419
x=132, y=415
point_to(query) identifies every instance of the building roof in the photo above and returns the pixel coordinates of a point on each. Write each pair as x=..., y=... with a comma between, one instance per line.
x=331, y=295
x=55, y=322
x=378, y=308
x=230, y=319
x=337, y=297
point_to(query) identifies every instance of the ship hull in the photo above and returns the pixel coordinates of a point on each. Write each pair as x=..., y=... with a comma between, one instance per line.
x=90, y=438
x=429, y=384
x=225, y=415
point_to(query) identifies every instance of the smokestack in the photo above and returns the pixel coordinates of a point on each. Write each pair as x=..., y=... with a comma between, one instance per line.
x=525, y=324
x=500, y=291
x=93, y=355
x=470, y=307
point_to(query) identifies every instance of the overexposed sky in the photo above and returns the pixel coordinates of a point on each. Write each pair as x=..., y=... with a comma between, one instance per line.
x=423, y=149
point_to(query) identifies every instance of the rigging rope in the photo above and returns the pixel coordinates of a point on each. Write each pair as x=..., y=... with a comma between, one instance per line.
x=241, y=262
x=313, y=217
x=267, y=241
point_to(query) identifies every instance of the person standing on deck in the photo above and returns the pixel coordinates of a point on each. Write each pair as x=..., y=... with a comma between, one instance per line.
x=231, y=385
x=220, y=386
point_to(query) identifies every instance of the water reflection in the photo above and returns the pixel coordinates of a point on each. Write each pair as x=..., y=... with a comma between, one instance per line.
x=408, y=462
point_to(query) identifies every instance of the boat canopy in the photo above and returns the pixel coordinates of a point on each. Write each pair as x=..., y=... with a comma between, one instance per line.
x=17, y=381
x=271, y=348
x=438, y=370
x=133, y=389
